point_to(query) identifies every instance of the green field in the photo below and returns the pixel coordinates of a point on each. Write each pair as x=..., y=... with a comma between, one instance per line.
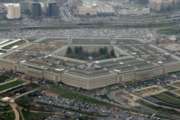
x=5, y=77
x=168, y=99
x=7, y=116
x=164, y=104
x=164, y=114
x=10, y=85
x=170, y=31
x=4, y=107
x=75, y=95
x=6, y=112
x=28, y=115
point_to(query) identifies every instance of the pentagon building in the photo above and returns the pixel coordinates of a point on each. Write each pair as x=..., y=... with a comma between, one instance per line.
x=130, y=60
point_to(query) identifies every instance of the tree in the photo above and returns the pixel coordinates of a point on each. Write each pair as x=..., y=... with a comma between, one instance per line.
x=103, y=51
x=112, y=53
x=78, y=50
x=69, y=51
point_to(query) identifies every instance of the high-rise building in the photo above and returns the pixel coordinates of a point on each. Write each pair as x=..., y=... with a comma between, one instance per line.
x=53, y=9
x=36, y=9
x=13, y=10
x=2, y=11
x=160, y=5
x=25, y=7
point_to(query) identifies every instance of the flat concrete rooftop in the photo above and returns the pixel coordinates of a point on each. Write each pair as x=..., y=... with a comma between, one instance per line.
x=47, y=53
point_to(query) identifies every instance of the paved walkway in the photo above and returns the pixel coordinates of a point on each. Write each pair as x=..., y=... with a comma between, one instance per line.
x=16, y=112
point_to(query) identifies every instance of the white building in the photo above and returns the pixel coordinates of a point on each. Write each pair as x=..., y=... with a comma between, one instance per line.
x=13, y=10
x=93, y=7
x=158, y=5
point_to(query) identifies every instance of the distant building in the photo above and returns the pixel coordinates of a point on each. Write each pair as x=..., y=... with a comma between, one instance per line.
x=13, y=10
x=92, y=8
x=25, y=7
x=163, y=5
x=53, y=9
x=2, y=10
x=36, y=9
x=177, y=3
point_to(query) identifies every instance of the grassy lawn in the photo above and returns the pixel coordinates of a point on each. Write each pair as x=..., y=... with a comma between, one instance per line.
x=7, y=116
x=4, y=107
x=161, y=112
x=75, y=95
x=10, y=85
x=4, y=77
x=34, y=115
x=168, y=98
x=26, y=103
x=170, y=31
x=6, y=112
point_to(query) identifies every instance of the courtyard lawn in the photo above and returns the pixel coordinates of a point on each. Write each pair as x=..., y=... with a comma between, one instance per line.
x=10, y=85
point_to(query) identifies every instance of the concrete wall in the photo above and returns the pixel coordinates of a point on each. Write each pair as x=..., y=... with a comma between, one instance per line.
x=102, y=81
x=75, y=81
x=148, y=73
x=51, y=75
x=30, y=71
x=89, y=82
